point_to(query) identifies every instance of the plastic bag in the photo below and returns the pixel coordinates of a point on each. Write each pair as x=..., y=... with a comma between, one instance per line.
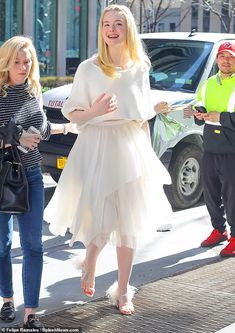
x=165, y=129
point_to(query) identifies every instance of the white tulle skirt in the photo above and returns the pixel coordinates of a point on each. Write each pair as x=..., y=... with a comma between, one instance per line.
x=111, y=188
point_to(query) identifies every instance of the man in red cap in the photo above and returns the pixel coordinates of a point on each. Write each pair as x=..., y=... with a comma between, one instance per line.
x=227, y=47
x=215, y=108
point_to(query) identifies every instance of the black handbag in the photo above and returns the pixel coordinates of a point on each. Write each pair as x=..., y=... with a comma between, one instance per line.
x=13, y=182
x=11, y=131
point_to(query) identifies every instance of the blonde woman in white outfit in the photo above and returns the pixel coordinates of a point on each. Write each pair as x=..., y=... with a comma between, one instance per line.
x=113, y=181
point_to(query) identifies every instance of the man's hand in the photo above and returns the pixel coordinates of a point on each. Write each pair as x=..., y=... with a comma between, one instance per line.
x=212, y=116
x=189, y=112
x=199, y=115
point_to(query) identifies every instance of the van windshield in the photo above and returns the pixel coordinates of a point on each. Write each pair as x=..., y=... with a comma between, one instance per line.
x=177, y=65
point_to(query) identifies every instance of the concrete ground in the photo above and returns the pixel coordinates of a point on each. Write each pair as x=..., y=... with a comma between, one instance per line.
x=197, y=301
x=181, y=286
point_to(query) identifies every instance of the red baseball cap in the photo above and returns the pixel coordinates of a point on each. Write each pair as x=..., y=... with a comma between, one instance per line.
x=227, y=47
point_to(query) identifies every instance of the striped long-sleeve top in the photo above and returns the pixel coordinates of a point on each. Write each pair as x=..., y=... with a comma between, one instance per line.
x=27, y=112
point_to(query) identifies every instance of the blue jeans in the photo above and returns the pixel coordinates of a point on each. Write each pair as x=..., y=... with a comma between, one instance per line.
x=30, y=231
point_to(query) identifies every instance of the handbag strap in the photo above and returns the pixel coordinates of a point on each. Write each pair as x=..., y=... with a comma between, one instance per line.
x=2, y=149
x=16, y=159
x=15, y=154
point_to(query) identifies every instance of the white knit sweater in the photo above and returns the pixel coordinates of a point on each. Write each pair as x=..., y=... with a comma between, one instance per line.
x=132, y=90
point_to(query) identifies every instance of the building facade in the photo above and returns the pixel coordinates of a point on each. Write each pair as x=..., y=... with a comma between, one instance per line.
x=219, y=18
x=64, y=31
x=183, y=15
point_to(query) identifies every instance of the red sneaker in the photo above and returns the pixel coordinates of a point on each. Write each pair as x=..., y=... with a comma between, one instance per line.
x=229, y=250
x=215, y=238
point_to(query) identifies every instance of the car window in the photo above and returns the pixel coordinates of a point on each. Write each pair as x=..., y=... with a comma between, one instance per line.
x=177, y=65
x=214, y=69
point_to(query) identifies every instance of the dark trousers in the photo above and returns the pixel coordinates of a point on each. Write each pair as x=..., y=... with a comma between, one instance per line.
x=218, y=176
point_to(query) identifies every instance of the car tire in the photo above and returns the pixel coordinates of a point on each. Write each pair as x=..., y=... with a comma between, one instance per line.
x=184, y=168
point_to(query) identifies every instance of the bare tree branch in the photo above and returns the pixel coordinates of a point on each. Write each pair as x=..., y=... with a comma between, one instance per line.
x=152, y=11
x=227, y=5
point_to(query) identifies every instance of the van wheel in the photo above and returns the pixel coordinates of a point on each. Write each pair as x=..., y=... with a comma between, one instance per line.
x=186, y=188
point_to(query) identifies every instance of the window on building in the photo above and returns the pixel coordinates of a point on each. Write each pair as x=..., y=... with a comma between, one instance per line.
x=45, y=35
x=77, y=21
x=98, y=14
x=206, y=20
x=161, y=27
x=194, y=15
x=73, y=36
x=225, y=17
x=172, y=27
x=11, y=18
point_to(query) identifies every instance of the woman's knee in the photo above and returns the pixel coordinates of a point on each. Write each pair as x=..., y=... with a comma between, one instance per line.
x=34, y=249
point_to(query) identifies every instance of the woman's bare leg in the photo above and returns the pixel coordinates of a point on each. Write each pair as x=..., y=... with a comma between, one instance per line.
x=125, y=257
x=89, y=267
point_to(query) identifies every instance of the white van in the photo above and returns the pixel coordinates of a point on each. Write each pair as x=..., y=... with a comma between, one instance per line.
x=180, y=63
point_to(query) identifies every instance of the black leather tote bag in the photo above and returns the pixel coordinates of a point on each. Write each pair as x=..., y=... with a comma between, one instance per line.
x=13, y=182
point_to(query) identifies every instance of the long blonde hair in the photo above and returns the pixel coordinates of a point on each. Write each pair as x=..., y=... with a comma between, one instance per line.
x=133, y=43
x=8, y=54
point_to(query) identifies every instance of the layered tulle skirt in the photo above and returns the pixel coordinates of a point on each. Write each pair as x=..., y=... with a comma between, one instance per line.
x=111, y=188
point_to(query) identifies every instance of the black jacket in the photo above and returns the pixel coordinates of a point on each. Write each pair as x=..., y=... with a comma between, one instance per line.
x=219, y=139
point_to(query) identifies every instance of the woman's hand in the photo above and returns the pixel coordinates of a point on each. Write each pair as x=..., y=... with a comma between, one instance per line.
x=30, y=140
x=105, y=103
x=162, y=107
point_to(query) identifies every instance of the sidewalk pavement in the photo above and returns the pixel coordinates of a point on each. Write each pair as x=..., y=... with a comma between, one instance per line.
x=200, y=300
x=182, y=288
